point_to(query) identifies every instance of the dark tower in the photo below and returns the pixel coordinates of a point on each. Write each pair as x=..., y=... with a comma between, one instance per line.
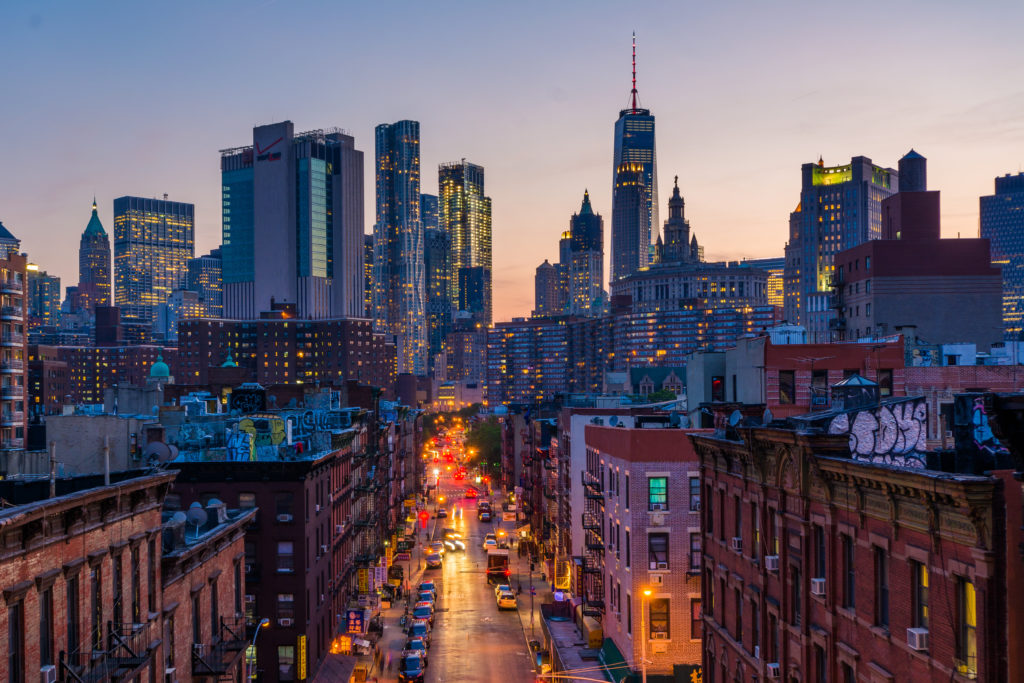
x=677, y=246
x=913, y=173
x=94, y=265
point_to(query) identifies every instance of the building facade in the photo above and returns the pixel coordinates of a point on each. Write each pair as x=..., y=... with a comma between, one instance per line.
x=205, y=277
x=311, y=182
x=43, y=298
x=549, y=291
x=399, y=282
x=776, y=269
x=94, y=265
x=13, y=368
x=464, y=214
x=840, y=207
x=437, y=253
x=153, y=241
x=1002, y=224
x=585, y=267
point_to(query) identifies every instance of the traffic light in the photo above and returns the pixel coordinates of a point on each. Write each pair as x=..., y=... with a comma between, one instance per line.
x=508, y=573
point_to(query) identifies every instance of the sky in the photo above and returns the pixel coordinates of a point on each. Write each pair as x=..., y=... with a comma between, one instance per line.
x=127, y=98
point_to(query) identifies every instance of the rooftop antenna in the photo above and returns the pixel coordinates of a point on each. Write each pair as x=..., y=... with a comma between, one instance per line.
x=633, y=92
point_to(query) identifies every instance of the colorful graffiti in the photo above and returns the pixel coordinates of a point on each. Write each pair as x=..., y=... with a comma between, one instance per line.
x=981, y=432
x=893, y=434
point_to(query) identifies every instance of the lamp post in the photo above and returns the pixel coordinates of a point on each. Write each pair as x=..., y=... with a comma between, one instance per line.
x=252, y=660
x=643, y=635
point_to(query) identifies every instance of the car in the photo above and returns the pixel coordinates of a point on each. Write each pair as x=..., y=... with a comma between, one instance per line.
x=433, y=561
x=442, y=513
x=448, y=534
x=411, y=668
x=484, y=515
x=490, y=543
x=419, y=628
x=459, y=545
x=490, y=535
x=471, y=493
x=428, y=586
x=417, y=646
x=437, y=547
x=507, y=600
x=424, y=610
x=426, y=596
x=501, y=588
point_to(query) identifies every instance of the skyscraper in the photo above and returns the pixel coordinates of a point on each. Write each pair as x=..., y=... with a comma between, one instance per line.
x=465, y=216
x=634, y=180
x=293, y=223
x=436, y=253
x=43, y=297
x=153, y=241
x=205, y=278
x=840, y=207
x=399, y=305
x=586, y=260
x=548, y=293
x=1002, y=223
x=368, y=276
x=94, y=265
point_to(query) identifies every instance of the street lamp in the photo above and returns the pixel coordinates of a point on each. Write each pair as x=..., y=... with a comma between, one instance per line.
x=643, y=635
x=252, y=660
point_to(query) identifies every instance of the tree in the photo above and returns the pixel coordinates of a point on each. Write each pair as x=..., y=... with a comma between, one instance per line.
x=485, y=437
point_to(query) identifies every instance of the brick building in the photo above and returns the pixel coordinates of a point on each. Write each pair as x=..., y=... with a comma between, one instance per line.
x=284, y=350
x=13, y=370
x=642, y=562
x=91, y=370
x=819, y=567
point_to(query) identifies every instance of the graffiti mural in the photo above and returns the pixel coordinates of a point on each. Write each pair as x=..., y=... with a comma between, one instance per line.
x=240, y=447
x=892, y=434
x=247, y=400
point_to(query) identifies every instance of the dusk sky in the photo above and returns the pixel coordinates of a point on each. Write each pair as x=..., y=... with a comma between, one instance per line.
x=136, y=98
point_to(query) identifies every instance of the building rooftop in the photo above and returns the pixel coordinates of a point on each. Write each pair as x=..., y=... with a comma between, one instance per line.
x=20, y=498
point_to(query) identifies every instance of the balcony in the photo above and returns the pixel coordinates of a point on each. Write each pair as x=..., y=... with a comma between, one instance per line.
x=12, y=392
x=12, y=418
x=12, y=365
x=12, y=339
x=220, y=657
x=591, y=522
x=127, y=653
x=11, y=286
x=11, y=313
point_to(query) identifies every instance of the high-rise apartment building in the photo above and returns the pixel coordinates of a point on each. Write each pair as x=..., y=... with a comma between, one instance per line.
x=153, y=241
x=776, y=268
x=436, y=254
x=465, y=216
x=840, y=207
x=205, y=278
x=368, y=276
x=399, y=287
x=634, y=186
x=93, y=265
x=549, y=294
x=13, y=375
x=1002, y=223
x=43, y=298
x=585, y=267
x=293, y=223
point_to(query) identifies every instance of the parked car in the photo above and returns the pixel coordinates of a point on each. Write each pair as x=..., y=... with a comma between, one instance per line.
x=428, y=586
x=507, y=600
x=417, y=646
x=426, y=596
x=433, y=561
x=501, y=588
x=424, y=610
x=419, y=628
x=411, y=668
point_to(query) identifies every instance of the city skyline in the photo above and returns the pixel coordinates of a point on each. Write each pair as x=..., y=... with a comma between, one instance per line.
x=733, y=99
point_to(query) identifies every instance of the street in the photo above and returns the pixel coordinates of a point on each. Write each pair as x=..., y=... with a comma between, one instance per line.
x=471, y=639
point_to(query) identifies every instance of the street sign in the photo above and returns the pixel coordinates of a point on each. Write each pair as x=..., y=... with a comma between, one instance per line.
x=302, y=657
x=356, y=621
x=363, y=580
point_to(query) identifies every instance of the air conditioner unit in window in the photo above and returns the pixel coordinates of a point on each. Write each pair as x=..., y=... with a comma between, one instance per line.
x=284, y=518
x=771, y=563
x=771, y=670
x=917, y=638
x=658, y=506
x=757, y=652
x=199, y=649
x=323, y=550
x=818, y=587
x=48, y=674
x=318, y=507
x=659, y=635
x=737, y=544
x=657, y=579
x=339, y=528
x=286, y=622
x=662, y=565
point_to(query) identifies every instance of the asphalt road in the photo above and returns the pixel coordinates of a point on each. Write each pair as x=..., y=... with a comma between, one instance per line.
x=472, y=639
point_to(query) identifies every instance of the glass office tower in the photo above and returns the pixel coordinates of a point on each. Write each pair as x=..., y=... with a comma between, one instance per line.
x=465, y=216
x=634, y=157
x=1002, y=223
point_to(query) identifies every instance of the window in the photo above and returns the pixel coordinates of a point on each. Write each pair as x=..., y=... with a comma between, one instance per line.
x=820, y=665
x=755, y=525
x=718, y=388
x=214, y=610
x=967, y=627
x=46, y=627
x=773, y=532
x=246, y=501
x=709, y=590
x=849, y=573
x=136, y=586
x=695, y=553
x=627, y=491
x=657, y=493
x=238, y=588
x=197, y=626
x=885, y=382
x=738, y=614
x=796, y=594
x=285, y=557
x=773, y=638
x=286, y=662
x=96, y=611
x=820, y=570
x=629, y=614
x=151, y=579
x=709, y=511
x=881, y=587
x=737, y=505
x=721, y=514
x=72, y=618
x=16, y=643
x=721, y=598
x=117, y=582
x=283, y=504
x=629, y=550
x=659, y=617
x=787, y=387
x=285, y=605
x=695, y=628
x=169, y=650
x=755, y=626
x=657, y=548
x=694, y=494
x=919, y=594
x=847, y=672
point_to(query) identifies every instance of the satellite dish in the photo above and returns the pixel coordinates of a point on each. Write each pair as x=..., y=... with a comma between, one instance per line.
x=767, y=418
x=157, y=453
x=735, y=418
x=684, y=422
x=178, y=518
x=613, y=420
x=673, y=419
x=196, y=515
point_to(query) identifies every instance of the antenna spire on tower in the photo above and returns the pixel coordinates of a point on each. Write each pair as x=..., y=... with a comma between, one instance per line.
x=633, y=92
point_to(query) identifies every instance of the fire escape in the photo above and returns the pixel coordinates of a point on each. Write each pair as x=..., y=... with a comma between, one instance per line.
x=837, y=325
x=126, y=651
x=593, y=558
